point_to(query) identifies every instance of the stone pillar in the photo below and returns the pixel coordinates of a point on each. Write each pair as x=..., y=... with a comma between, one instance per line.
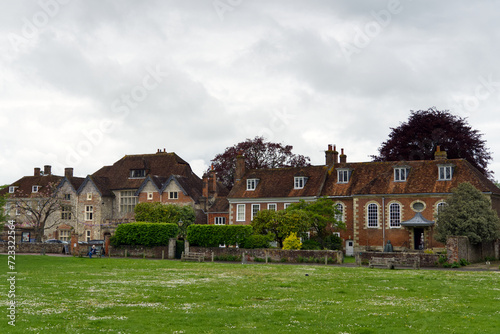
x=172, y=242
x=106, y=243
x=186, y=246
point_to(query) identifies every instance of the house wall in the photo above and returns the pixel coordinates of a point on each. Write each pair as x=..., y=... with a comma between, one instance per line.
x=97, y=214
x=211, y=217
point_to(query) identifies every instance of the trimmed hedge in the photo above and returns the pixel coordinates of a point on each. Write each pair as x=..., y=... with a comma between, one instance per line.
x=215, y=235
x=144, y=234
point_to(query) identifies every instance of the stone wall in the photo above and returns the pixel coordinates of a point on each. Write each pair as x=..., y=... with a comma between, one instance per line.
x=426, y=260
x=34, y=247
x=273, y=254
x=158, y=252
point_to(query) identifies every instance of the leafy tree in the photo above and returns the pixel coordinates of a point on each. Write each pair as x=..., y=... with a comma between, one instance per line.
x=292, y=242
x=157, y=212
x=280, y=223
x=321, y=216
x=468, y=212
x=418, y=138
x=258, y=154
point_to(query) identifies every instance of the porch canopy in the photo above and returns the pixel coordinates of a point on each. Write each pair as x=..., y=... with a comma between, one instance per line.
x=417, y=221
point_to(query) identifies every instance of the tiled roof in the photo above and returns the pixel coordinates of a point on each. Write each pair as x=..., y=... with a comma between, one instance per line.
x=279, y=182
x=220, y=205
x=371, y=178
x=160, y=166
x=24, y=185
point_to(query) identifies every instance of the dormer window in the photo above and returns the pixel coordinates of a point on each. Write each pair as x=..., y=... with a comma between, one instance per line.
x=34, y=189
x=343, y=175
x=445, y=172
x=299, y=182
x=252, y=184
x=401, y=174
x=137, y=173
x=12, y=189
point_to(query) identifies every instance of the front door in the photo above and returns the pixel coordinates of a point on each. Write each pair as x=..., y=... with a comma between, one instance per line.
x=418, y=237
x=349, y=248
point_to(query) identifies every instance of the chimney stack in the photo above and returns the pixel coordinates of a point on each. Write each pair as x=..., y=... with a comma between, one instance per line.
x=240, y=167
x=68, y=172
x=440, y=155
x=329, y=155
x=37, y=171
x=47, y=170
x=343, y=157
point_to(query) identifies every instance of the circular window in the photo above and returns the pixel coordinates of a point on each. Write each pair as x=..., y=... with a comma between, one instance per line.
x=418, y=206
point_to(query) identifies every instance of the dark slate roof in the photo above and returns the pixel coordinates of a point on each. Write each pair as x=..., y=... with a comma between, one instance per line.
x=159, y=167
x=75, y=182
x=417, y=221
x=279, y=182
x=372, y=178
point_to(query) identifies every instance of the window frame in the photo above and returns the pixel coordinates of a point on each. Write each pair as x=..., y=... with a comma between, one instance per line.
x=341, y=210
x=372, y=222
x=253, y=211
x=269, y=205
x=252, y=184
x=219, y=220
x=137, y=173
x=299, y=182
x=35, y=189
x=89, y=212
x=173, y=195
x=343, y=175
x=445, y=173
x=66, y=212
x=398, y=174
x=128, y=201
x=394, y=216
x=240, y=212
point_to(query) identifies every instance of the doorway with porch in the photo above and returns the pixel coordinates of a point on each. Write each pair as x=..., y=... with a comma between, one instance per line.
x=418, y=238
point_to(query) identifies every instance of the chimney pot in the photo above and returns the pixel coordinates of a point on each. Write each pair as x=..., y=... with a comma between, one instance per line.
x=343, y=157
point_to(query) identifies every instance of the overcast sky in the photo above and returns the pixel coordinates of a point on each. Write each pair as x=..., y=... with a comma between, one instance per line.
x=83, y=83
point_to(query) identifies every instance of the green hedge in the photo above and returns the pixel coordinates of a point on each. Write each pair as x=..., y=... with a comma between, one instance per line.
x=215, y=235
x=144, y=234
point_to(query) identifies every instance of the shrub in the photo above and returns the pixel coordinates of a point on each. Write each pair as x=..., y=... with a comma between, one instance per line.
x=311, y=244
x=333, y=242
x=428, y=251
x=144, y=234
x=464, y=262
x=442, y=259
x=292, y=242
x=257, y=241
x=214, y=235
x=455, y=265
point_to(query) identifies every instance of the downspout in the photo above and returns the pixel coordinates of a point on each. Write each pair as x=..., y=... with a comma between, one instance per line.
x=383, y=222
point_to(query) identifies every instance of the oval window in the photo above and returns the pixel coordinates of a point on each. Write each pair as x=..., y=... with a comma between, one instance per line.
x=418, y=206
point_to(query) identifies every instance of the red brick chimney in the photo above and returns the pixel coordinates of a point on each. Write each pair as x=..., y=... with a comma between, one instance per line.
x=343, y=157
x=37, y=171
x=68, y=172
x=240, y=167
x=329, y=157
x=213, y=175
x=440, y=155
x=47, y=170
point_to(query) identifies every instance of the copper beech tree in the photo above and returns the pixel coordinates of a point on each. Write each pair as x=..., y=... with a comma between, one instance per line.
x=418, y=138
x=258, y=154
x=40, y=208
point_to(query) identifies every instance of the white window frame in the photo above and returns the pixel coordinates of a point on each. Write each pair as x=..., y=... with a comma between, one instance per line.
x=394, y=216
x=173, y=195
x=445, y=173
x=88, y=235
x=141, y=173
x=64, y=235
x=372, y=221
x=439, y=205
x=299, y=182
x=220, y=221
x=286, y=205
x=400, y=174
x=12, y=189
x=65, y=212
x=67, y=197
x=150, y=196
x=89, y=196
x=35, y=189
x=340, y=216
x=240, y=212
x=252, y=184
x=89, y=212
x=270, y=205
x=128, y=201
x=254, y=212
x=343, y=175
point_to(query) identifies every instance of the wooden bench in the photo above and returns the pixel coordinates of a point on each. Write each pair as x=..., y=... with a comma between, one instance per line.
x=192, y=256
x=386, y=262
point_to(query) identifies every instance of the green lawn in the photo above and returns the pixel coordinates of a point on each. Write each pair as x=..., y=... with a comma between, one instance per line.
x=81, y=295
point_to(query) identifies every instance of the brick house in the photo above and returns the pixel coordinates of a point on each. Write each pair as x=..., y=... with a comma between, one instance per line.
x=378, y=201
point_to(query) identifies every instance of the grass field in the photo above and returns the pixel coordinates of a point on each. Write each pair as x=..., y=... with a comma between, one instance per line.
x=81, y=295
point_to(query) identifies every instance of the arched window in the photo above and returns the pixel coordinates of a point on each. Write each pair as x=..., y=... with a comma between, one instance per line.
x=394, y=215
x=372, y=215
x=340, y=215
x=440, y=207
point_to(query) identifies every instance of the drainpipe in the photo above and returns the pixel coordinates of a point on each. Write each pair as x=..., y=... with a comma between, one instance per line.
x=383, y=222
